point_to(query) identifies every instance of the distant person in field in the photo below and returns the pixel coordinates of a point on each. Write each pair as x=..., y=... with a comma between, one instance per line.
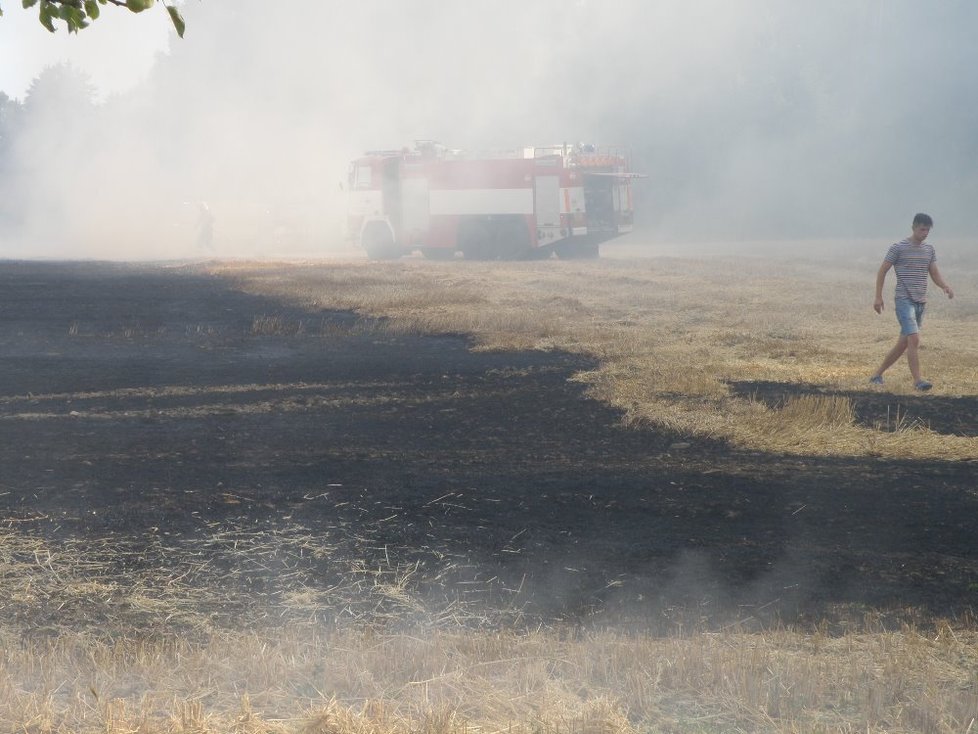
x=913, y=259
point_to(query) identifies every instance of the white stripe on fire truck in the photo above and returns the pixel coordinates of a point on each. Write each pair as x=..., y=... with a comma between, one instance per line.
x=481, y=201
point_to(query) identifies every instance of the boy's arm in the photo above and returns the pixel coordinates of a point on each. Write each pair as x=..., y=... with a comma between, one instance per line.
x=935, y=274
x=880, y=277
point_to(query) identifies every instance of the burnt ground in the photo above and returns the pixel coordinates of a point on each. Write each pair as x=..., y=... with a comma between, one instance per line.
x=169, y=412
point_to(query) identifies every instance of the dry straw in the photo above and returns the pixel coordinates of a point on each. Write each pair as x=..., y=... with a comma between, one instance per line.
x=673, y=334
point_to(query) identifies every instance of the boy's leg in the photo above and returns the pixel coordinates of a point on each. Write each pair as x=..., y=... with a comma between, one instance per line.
x=899, y=348
x=913, y=348
x=913, y=356
x=910, y=315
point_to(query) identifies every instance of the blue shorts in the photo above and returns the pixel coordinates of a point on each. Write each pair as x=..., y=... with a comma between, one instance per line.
x=910, y=314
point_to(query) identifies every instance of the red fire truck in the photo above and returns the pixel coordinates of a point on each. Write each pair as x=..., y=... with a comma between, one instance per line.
x=563, y=199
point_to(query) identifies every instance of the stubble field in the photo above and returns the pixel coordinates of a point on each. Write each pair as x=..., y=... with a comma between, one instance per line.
x=646, y=493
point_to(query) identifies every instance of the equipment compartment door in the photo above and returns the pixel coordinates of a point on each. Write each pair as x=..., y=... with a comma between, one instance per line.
x=546, y=206
x=415, y=211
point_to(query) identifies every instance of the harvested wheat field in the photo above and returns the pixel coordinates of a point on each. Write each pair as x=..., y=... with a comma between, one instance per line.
x=646, y=493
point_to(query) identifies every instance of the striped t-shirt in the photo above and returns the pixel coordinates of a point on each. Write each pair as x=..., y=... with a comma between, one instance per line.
x=912, y=265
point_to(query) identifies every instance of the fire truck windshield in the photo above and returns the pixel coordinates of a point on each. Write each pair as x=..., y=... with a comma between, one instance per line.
x=360, y=176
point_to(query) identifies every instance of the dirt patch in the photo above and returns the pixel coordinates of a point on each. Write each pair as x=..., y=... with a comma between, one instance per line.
x=168, y=422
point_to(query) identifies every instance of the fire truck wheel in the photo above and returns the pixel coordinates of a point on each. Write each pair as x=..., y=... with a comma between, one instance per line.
x=577, y=249
x=378, y=241
x=475, y=241
x=513, y=240
x=438, y=253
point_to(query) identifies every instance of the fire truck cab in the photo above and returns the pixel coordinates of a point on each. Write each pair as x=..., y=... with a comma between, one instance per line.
x=507, y=205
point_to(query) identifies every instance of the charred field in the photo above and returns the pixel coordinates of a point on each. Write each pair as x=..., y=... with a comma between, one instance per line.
x=148, y=404
x=184, y=454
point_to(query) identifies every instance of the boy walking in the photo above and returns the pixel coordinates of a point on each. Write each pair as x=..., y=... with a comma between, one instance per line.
x=913, y=260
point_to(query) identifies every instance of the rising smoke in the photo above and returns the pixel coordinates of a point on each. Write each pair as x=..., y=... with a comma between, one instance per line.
x=756, y=119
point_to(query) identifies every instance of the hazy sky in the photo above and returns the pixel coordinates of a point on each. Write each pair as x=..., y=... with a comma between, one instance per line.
x=116, y=52
x=753, y=118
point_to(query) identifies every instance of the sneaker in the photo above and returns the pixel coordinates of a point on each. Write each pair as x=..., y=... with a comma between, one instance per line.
x=922, y=385
x=876, y=380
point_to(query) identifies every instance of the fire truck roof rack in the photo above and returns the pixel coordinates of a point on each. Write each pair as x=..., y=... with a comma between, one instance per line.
x=379, y=153
x=576, y=155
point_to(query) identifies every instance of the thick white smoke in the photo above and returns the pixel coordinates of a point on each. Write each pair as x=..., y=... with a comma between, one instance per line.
x=753, y=120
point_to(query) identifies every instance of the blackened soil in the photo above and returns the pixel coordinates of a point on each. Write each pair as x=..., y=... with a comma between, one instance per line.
x=139, y=403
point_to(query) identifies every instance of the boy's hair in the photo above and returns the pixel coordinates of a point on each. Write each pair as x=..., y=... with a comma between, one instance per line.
x=924, y=219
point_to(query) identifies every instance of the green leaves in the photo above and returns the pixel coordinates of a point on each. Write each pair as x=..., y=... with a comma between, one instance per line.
x=47, y=15
x=177, y=20
x=78, y=14
x=73, y=16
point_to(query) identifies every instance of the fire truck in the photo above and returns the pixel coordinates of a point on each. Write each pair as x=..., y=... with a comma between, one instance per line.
x=508, y=205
